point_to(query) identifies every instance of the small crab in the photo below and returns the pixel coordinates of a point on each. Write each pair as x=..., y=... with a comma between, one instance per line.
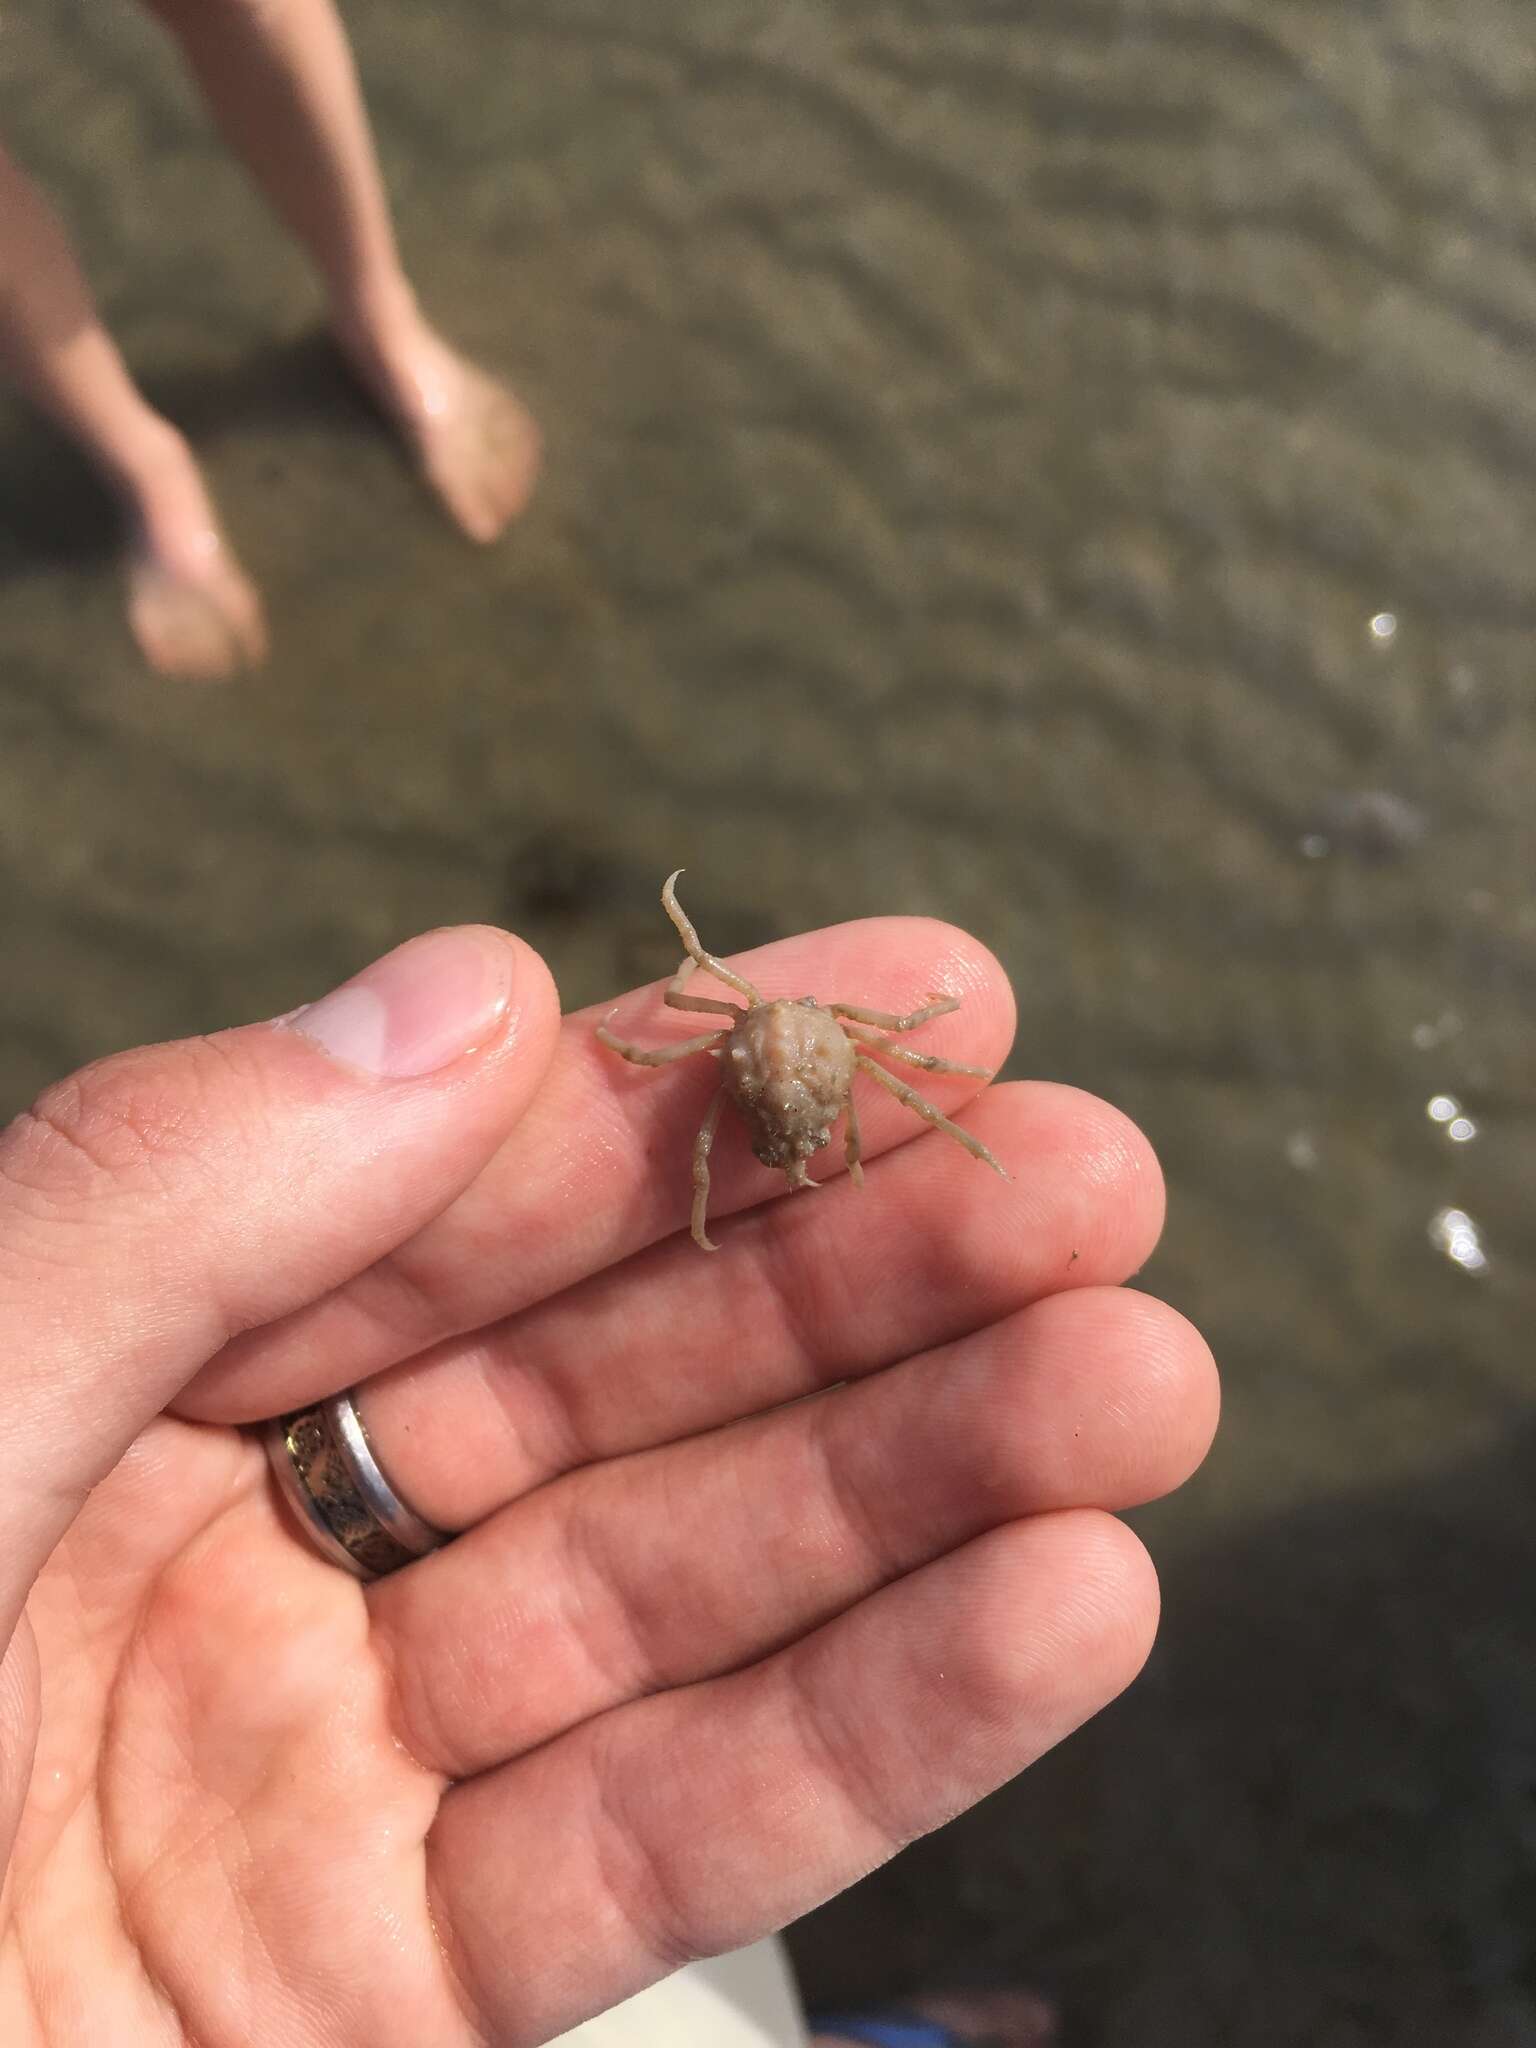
x=789, y=1068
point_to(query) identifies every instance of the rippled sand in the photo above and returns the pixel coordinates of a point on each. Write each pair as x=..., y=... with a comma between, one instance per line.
x=982, y=438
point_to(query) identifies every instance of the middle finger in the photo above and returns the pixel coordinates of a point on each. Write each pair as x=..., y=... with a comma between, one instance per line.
x=669, y=1343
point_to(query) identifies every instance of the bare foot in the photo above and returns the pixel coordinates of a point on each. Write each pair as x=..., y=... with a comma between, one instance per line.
x=475, y=441
x=191, y=607
x=987, y=2019
x=199, y=618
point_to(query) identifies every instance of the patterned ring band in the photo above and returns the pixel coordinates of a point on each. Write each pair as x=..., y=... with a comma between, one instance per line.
x=332, y=1481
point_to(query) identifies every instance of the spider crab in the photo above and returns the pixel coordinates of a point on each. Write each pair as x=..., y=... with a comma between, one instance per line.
x=789, y=1066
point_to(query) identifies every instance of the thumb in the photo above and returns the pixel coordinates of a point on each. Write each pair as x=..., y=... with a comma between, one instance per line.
x=159, y=1202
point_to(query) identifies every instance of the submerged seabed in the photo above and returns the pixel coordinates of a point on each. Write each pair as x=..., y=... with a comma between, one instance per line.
x=1066, y=468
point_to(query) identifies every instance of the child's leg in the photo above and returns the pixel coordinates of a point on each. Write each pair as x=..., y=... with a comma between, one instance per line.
x=279, y=77
x=190, y=606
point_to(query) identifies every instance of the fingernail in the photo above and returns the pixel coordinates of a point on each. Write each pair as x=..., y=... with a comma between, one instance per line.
x=426, y=1004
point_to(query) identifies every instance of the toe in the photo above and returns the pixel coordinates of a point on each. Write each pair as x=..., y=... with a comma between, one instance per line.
x=249, y=625
x=182, y=631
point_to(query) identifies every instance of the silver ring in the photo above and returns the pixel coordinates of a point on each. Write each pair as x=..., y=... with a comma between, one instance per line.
x=330, y=1478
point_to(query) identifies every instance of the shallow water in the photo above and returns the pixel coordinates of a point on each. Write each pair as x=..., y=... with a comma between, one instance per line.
x=1067, y=469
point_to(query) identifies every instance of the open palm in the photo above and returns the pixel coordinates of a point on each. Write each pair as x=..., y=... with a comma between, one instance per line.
x=705, y=1651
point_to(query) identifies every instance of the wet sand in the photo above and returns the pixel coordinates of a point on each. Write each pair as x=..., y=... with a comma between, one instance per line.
x=980, y=441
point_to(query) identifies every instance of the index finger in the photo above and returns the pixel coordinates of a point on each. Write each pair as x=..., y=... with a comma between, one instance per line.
x=599, y=1165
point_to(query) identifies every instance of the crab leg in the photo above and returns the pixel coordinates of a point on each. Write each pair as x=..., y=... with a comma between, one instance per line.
x=678, y=1001
x=885, y=1020
x=926, y=1060
x=694, y=949
x=926, y=1109
x=853, y=1150
x=701, y=1145
x=659, y=1056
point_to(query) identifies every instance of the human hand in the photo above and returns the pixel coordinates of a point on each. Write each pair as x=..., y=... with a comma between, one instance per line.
x=706, y=1652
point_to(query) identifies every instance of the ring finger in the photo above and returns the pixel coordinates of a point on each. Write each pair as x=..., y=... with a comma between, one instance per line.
x=670, y=1566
